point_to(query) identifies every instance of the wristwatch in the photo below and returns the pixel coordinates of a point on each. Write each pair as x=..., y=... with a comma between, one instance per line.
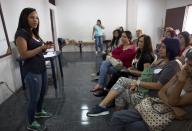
x=138, y=83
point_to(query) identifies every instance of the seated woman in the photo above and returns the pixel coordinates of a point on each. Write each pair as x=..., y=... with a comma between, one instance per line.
x=169, y=33
x=171, y=94
x=116, y=39
x=143, y=60
x=163, y=70
x=125, y=53
x=184, y=39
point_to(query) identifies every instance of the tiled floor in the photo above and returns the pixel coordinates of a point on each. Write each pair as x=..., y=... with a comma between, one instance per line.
x=71, y=105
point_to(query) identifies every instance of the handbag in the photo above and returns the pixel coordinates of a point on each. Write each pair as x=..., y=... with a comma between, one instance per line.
x=155, y=113
x=116, y=63
x=136, y=98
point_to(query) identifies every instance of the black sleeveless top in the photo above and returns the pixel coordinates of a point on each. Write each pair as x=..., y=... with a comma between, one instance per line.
x=35, y=64
x=144, y=58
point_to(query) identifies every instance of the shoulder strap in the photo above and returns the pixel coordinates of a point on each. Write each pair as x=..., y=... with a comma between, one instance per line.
x=179, y=62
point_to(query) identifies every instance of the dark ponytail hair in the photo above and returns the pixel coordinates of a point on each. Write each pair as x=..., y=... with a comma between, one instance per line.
x=128, y=34
x=99, y=21
x=115, y=40
x=147, y=44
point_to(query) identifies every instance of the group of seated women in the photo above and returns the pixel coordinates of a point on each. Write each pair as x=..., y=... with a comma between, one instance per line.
x=143, y=76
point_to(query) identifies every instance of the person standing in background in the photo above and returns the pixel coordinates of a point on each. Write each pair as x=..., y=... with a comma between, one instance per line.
x=31, y=49
x=98, y=35
x=139, y=32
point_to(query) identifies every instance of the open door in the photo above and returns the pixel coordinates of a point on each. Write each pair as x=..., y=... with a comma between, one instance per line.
x=174, y=18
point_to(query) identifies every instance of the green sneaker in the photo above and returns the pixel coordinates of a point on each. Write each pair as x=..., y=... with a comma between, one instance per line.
x=35, y=126
x=42, y=114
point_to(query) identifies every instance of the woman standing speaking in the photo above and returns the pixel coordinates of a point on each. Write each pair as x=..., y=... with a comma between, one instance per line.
x=31, y=48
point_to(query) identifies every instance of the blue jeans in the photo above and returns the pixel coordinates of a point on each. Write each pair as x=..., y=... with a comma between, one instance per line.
x=99, y=43
x=128, y=120
x=36, y=85
x=105, y=69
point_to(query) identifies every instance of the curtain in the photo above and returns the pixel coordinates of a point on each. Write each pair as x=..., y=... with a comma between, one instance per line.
x=187, y=24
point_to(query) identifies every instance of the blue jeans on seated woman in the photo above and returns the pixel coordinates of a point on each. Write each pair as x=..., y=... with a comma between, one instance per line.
x=105, y=69
x=36, y=86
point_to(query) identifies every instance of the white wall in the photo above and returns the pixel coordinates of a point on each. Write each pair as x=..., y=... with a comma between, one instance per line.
x=177, y=3
x=77, y=17
x=151, y=16
x=132, y=15
x=147, y=15
x=7, y=75
x=9, y=69
x=3, y=41
x=12, y=9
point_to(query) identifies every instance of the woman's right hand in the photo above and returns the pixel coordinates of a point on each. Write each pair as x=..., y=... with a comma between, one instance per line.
x=133, y=86
x=180, y=114
x=46, y=46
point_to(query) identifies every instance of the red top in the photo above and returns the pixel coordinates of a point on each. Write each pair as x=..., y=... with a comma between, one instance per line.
x=126, y=56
